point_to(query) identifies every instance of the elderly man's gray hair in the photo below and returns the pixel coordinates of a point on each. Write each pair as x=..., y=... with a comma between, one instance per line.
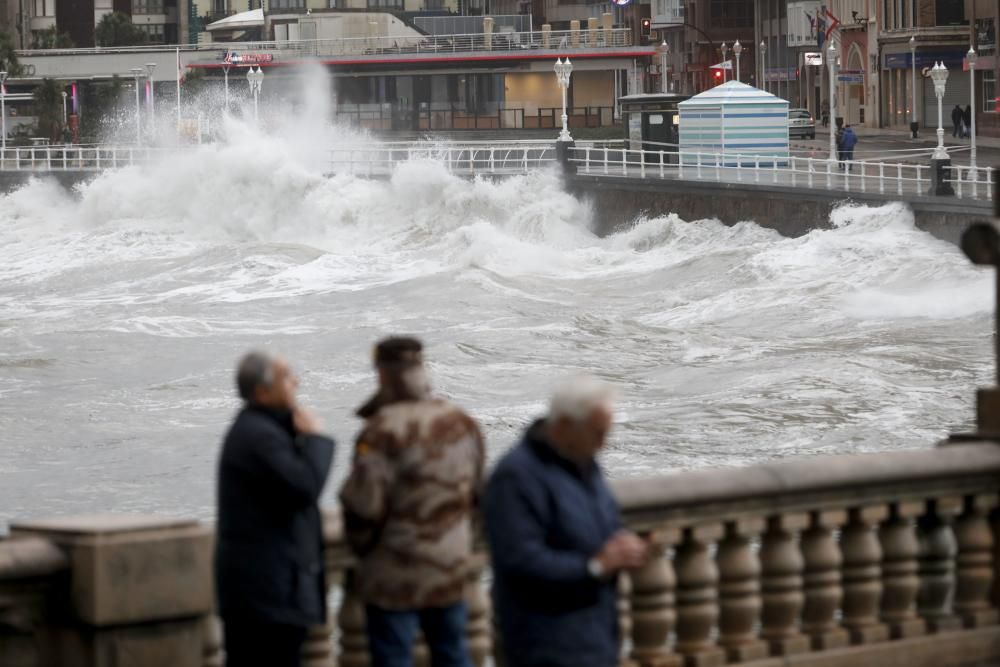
x=256, y=369
x=577, y=397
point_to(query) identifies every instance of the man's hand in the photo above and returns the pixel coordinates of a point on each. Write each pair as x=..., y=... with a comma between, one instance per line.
x=306, y=422
x=624, y=551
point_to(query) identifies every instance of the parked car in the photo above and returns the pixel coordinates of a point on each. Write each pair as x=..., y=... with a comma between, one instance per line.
x=801, y=124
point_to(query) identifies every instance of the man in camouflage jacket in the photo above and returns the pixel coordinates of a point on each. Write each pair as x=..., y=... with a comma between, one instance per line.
x=418, y=464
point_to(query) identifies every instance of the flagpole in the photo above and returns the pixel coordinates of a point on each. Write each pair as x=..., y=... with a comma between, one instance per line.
x=178, y=94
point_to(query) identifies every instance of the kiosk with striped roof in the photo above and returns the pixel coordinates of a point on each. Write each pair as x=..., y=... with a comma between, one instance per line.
x=742, y=124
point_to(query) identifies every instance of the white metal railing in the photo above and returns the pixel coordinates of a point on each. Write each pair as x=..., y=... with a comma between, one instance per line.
x=972, y=182
x=74, y=158
x=460, y=158
x=857, y=176
x=561, y=40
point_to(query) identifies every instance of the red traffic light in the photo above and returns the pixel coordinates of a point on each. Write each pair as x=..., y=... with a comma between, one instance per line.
x=717, y=73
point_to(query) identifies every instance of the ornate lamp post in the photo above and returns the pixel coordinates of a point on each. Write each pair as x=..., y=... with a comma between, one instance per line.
x=225, y=76
x=152, y=95
x=3, y=107
x=914, y=122
x=970, y=57
x=939, y=74
x=563, y=71
x=65, y=115
x=763, y=65
x=831, y=65
x=737, y=50
x=137, y=74
x=664, y=81
x=255, y=79
x=725, y=50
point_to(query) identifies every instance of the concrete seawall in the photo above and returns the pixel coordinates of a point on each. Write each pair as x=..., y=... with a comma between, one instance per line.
x=790, y=211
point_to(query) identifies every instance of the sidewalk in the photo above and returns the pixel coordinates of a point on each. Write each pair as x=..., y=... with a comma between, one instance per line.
x=896, y=145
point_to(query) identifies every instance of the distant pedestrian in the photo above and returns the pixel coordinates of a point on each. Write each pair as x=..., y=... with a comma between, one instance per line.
x=841, y=153
x=967, y=120
x=418, y=466
x=957, y=116
x=825, y=114
x=269, y=544
x=848, y=141
x=556, y=538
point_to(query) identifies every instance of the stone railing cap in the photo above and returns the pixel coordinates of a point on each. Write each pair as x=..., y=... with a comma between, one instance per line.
x=100, y=524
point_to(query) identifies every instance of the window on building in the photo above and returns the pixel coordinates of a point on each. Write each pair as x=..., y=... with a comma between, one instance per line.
x=45, y=7
x=950, y=12
x=156, y=32
x=989, y=91
x=731, y=13
x=287, y=4
x=386, y=4
x=147, y=7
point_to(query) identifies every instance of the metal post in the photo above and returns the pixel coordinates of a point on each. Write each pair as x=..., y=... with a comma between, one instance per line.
x=225, y=79
x=971, y=58
x=763, y=65
x=152, y=102
x=136, y=73
x=3, y=108
x=737, y=50
x=939, y=73
x=65, y=116
x=831, y=65
x=664, y=82
x=563, y=71
x=914, y=122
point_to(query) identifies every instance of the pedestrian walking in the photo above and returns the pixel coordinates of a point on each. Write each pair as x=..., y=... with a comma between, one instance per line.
x=418, y=466
x=269, y=544
x=556, y=537
x=841, y=153
x=957, y=116
x=967, y=120
x=848, y=141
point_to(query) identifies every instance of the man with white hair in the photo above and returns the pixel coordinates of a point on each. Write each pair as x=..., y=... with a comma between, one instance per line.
x=556, y=538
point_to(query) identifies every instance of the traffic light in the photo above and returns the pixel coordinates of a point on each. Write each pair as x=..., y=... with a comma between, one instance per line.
x=717, y=73
x=646, y=25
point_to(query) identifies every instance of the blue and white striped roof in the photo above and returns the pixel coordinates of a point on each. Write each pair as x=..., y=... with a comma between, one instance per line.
x=733, y=92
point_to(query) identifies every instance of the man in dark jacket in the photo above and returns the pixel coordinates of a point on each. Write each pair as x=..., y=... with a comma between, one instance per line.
x=556, y=538
x=269, y=544
x=957, y=117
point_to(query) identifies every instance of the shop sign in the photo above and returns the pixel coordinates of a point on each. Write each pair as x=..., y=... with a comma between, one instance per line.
x=851, y=76
x=236, y=58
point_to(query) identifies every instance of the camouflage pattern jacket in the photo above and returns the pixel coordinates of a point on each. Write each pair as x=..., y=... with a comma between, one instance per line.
x=416, y=477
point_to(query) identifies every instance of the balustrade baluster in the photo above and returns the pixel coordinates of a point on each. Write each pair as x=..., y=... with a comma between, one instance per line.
x=697, y=597
x=653, y=613
x=862, y=572
x=823, y=591
x=351, y=620
x=937, y=564
x=900, y=583
x=211, y=651
x=739, y=592
x=661, y=164
x=624, y=618
x=317, y=650
x=974, y=565
x=782, y=585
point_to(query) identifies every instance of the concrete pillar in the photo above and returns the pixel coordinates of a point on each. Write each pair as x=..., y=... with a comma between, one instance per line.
x=863, y=575
x=974, y=566
x=546, y=36
x=698, y=597
x=592, y=31
x=138, y=591
x=488, y=32
x=653, y=605
x=574, y=33
x=782, y=585
x=940, y=171
x=900, y=582
x=607, y=23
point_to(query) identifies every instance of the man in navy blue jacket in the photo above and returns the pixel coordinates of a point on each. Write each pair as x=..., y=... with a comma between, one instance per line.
x=269, y=544
x=556, y=538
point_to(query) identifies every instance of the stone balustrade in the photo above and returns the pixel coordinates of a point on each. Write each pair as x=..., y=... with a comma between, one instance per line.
x=866, y=559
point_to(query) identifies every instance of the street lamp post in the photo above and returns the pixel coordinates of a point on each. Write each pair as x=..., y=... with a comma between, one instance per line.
x=939, y=74
x=255, y=79
x=563, y=71
x=664, y=81
x=725, y=50
x=737, y=50
x=3, y=108
x=971, y=59
x=763, y=65
x=152, y=97
x=137, y=74
x=225, y=76
x=831, y=65
x=65, y=116
x=914, y=121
